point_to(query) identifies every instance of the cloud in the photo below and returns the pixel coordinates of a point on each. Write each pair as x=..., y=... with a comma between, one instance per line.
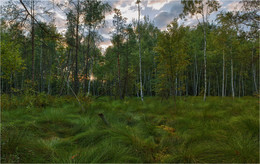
x=234, y=6
x=119, y=3
x=107, y=29
x=162, y=19
x=105, y=44
x=156, y=4
x=162, y=12
x=128, y=10
x=165, y=17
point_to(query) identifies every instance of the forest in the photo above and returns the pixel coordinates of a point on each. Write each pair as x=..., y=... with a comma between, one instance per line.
x=186, y=93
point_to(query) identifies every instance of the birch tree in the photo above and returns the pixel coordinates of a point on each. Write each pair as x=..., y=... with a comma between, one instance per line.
x=202, y=8
x=140, y=57
x=94, y=17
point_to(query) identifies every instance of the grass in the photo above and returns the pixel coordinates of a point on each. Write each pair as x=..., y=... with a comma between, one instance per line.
x=56, y=130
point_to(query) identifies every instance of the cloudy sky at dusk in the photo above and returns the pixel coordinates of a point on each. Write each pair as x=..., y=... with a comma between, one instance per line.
x=161, y=12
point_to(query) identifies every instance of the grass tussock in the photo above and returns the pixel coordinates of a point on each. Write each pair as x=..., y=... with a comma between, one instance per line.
x=41, y=128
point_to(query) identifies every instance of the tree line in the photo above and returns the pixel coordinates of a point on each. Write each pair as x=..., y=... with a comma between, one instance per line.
x=218, y=58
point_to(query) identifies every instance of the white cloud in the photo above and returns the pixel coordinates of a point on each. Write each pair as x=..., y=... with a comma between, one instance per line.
x=156, y=4
x=161, y=11
x=165, y=17
x=104, y=45
x=129, y=14
x=234, y=6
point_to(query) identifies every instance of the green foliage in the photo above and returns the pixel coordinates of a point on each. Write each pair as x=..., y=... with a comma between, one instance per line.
x=219, y=130
x=95, y=12
x=194, y=7
x=172, y=57
x=11, y=60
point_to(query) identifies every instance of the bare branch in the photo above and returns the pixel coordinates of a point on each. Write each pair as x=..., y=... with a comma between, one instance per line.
x=53, y=36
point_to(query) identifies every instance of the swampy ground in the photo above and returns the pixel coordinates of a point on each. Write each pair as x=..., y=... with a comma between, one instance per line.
x=55, y=129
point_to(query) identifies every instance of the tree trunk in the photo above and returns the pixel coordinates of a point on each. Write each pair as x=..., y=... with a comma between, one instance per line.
x=93, y=88
x=86, y=66
x=226, y=83
x=76, y=80
x=194, y=81
x=68, y=72
x=186, y=86
x=205, y=63
x=32, y=32
x=196, y=76
x=22, y=83
x=144, y=80
x=126, y=71
x=232, y=79
x=65, y=77
x=2, y=86
x=119, y=79
x=223, y=75
x=243, y=87
x=199, y=81
x=176, y=86
x=239, y=85
x=49, y=81
x=150, y=84
x=217, y=83
x=140, y=57
x=254, y=73
x=41, y=88
x=91, y=69
x=209, y=88
x=204, y=52
x=137, y=89
x=180, y=86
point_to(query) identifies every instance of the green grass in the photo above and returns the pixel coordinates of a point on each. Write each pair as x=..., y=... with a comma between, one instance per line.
x=51, y=129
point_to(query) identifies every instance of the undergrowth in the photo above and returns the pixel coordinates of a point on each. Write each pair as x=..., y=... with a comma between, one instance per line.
x=43, y=128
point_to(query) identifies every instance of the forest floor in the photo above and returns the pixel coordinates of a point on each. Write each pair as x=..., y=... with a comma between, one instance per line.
x=51, y=129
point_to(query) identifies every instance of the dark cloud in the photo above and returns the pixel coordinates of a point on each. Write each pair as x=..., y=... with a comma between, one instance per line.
x=176, y=8
x=165, y=17
x=105, y=30
x=162, y=19
x=118, y=3
x=107, y=27
x=133, y=8
x=106, y=40
x=113, y=4
x=150, y=12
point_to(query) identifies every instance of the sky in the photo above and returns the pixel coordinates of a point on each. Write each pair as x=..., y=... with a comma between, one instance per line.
x=160, y=12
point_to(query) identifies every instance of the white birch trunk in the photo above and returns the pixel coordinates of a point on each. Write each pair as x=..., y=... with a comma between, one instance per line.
x=232, y=79
x=140, y=57
x=204, y=52
x=254, y=74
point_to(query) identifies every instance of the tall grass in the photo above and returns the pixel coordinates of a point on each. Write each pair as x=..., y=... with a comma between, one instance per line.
x=218, y=130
